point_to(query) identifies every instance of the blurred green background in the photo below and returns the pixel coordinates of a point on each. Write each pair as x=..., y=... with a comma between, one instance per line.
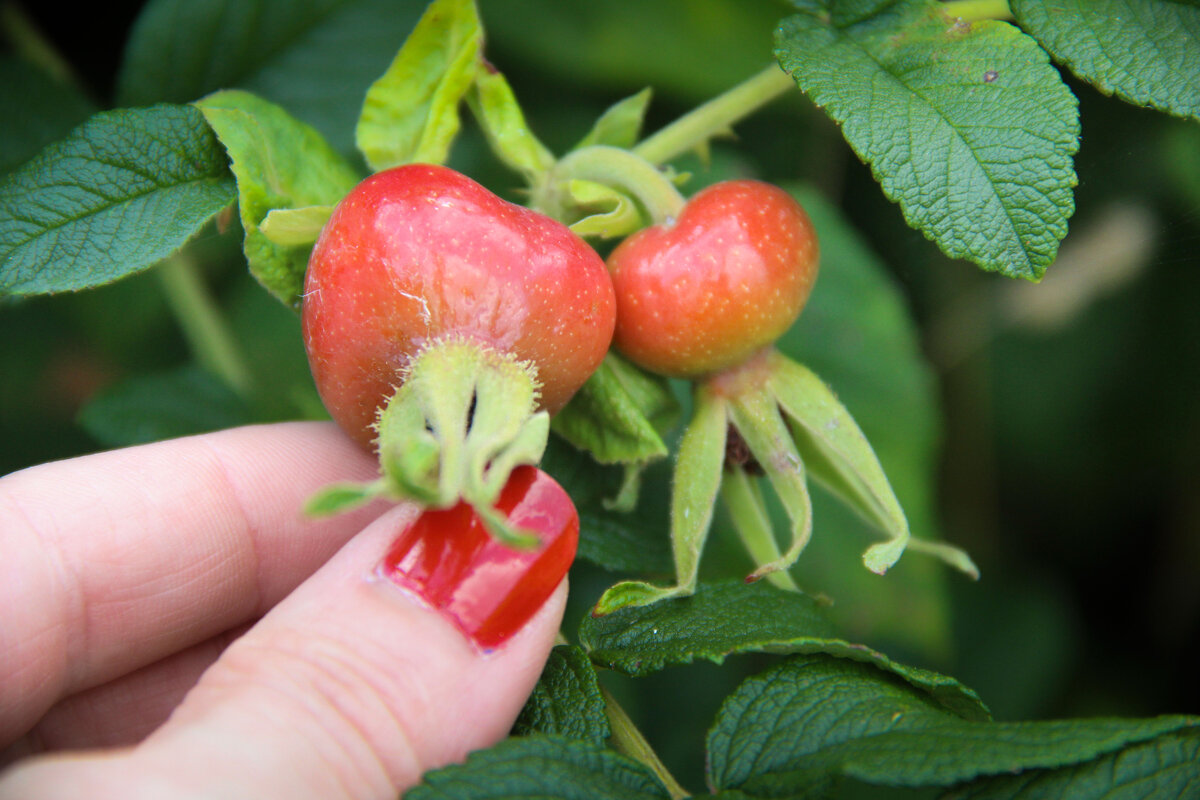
x=1068, y=458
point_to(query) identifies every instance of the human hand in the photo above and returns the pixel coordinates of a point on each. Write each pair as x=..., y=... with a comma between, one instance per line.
x=174, y=627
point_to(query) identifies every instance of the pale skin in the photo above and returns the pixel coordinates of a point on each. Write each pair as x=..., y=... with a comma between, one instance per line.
x=173, y=627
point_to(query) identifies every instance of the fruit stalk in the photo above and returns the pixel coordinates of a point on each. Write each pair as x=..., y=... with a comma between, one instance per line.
x=631, y=174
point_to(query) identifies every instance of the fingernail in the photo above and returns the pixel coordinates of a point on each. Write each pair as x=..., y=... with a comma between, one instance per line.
x=488, y=589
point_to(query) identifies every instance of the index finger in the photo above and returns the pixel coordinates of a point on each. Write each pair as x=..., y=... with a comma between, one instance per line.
x=118, y=559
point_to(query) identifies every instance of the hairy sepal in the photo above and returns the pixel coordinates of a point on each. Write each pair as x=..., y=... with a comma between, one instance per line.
x=463, y=417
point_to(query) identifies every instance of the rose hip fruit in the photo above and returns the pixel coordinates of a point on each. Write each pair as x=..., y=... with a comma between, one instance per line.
x=707, y=291
x=421, y=253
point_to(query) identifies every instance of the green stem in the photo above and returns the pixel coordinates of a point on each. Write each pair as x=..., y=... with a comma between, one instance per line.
x=29, y=42
x=628, y=740
x=715, y=116
x=977, y=10
x=620, y=169
x=204, y=327
x=749, y=513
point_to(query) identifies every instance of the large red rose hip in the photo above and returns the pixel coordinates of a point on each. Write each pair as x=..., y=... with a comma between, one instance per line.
x=725, y=279
x=420, y=253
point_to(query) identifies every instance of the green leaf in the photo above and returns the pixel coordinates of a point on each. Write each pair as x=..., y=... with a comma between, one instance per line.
x=798, y=727
x=566, y=701
x=36, y=109
x=293, y=227
x=618, y=416
x=1165, y=766
x=311, y=57
x=982, y=164
x=1180, y=147
x=341, y=497
x=495, y=107
x=279, y=162
x=150, y=408
x=1146, y=52
x=411, y=112
x=720, y=619
x=621, y=124
x=624, y=542
x=118, y=194
x=857, y=334
x=728, y=617
x=541, y=766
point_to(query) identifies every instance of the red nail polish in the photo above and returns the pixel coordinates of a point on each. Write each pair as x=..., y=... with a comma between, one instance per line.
x=489, y=589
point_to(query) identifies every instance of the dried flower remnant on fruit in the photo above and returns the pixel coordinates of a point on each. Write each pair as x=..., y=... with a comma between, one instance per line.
x=738, y=455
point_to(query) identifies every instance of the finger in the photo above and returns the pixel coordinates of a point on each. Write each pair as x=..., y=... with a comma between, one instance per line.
x=125, y=710
x=124, y=557
x=351, y=688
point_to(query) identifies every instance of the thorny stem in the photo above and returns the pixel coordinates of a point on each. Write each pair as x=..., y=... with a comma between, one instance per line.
x=206, y=330
x=634, y=172
x=977, y=10
x=715, y=116
x=628, y=740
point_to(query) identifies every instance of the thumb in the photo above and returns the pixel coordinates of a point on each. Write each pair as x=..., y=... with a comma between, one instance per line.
x=417, y=643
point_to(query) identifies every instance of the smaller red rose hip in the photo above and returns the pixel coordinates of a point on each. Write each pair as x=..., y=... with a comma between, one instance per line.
x=724, y=280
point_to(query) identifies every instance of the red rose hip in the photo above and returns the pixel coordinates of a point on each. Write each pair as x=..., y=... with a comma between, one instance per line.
x=419, y=253
x=724, y=280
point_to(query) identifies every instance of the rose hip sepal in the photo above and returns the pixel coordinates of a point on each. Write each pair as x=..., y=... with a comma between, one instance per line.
x=706, y=291
x=443, y=325
x=489, y=590
x=774, y=418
